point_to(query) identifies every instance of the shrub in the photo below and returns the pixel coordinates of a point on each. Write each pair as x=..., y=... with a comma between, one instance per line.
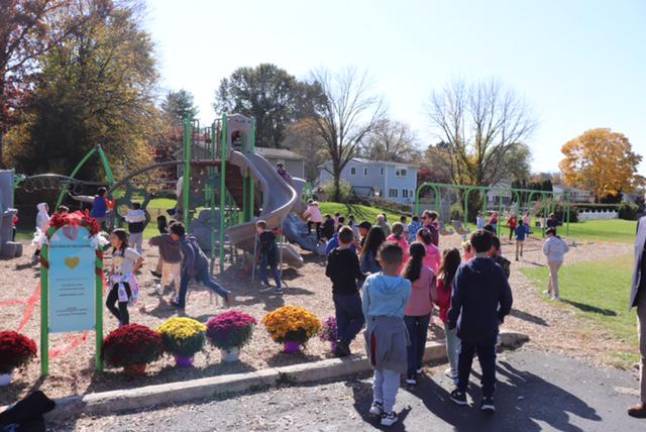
x=329, y=331
x=345, y=191
x=16, y=350
x=456, y=212
x=182, y=336
x=291, y=323
x=133, y=344
x=560, y=213
x=232, y=329
x=628, y=211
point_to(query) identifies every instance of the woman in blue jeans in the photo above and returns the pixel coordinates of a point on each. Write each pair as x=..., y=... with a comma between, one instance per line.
x=418, y=310
x=195, y=264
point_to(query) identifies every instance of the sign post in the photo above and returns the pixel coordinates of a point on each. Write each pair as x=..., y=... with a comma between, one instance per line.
x=71, y=288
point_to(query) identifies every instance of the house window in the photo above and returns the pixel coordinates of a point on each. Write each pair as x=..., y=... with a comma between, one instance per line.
x=392, y=193
x=353, y=171
x=365, y=171
x=382, y=171
x=400, y=173
x=404, y=193
x=411, y=193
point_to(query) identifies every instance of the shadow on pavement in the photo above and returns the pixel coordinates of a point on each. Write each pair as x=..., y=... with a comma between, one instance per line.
x=523, y=402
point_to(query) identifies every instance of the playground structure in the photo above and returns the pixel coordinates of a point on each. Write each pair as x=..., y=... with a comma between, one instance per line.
x=8, y=248
x=229, y=186
x=539, y=204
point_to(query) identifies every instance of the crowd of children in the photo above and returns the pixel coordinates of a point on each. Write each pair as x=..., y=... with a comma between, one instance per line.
x=391, y=278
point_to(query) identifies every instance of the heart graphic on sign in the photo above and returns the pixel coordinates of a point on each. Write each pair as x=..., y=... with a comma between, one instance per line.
x=72, y=262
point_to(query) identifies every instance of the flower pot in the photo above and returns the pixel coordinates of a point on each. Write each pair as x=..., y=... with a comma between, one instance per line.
x=183, y=361
x=135, y=370
x=5, y=379
x=333, y=346
x=291, y=347
x=230, y=355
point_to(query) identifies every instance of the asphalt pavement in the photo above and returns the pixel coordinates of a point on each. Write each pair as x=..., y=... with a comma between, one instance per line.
x=535, y=392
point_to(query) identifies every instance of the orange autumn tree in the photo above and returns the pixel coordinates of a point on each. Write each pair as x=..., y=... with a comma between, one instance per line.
x=601, y=161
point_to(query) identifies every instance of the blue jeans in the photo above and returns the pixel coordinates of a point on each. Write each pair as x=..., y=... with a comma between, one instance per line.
x=487, y=356
x=349, y=316
x=417, y=331
x=264, y=263
x=452, y=349
x=204, y=277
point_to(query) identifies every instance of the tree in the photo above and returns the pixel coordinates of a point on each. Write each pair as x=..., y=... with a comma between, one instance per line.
x=481, y=125
x=436, y=164
x=348, y=114
x=95, y=87
x=602, y=161
x=301, y=138
x=178, y=104
x=270, y=95
x=28, y=29
x=391, y=141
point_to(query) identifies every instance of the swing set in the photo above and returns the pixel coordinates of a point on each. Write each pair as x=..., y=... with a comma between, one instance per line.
x=543, y=203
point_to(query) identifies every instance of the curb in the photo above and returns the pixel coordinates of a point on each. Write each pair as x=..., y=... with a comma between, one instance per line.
x=115, y=401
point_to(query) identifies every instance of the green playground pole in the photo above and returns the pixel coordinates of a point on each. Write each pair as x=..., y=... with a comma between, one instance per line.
x=186, y=177
x=567, y=210
x=44, y=313
x=251, y=207
x=98, y=305
x=223, y=184
x=76, y=169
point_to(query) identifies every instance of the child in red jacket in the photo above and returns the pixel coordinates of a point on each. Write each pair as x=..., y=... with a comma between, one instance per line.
x=450, y=263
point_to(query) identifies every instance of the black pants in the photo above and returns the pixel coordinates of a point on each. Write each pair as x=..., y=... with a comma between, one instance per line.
x=349, y=316
x=487, y=356
x=121, y=312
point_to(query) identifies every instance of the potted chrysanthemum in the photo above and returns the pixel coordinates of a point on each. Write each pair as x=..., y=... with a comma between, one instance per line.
x=16, y=350
x=183, y=338
x=230, y=331
x=292, y=326
x=329, y=332
x=132, y=347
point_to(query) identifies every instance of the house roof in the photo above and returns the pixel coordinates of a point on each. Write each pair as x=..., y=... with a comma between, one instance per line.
x=370, y=161
x=277, y=153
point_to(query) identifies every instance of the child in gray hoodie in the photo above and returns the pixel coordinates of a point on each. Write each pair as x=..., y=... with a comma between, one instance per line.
x=385, y=295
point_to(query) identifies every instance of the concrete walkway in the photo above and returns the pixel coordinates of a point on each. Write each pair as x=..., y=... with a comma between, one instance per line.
x=536, y=392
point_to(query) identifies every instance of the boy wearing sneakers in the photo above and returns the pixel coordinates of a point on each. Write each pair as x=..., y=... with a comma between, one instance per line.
x=268, y=255
x=343, y=270
x=384, y=300
x=481, y=299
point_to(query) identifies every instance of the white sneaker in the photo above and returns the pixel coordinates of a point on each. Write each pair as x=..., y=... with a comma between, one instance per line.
x=419, y=371
x=411, y=381
x=389, y=419
x=377, y=408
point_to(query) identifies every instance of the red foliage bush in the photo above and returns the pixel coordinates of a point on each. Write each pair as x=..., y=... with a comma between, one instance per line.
x=16, y=350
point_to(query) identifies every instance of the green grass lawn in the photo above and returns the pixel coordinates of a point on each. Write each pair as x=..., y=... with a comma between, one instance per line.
x=360, y=212
x=616, y=230
x=598, y=291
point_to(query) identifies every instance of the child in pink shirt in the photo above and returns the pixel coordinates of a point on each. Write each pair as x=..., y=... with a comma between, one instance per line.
x=433, y=257
x=418, y=309
x=398, y=237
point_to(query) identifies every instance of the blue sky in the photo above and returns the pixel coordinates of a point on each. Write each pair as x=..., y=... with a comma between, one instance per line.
x=578, y=64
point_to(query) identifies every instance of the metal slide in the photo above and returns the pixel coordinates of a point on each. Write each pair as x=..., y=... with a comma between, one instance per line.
x=278, y=200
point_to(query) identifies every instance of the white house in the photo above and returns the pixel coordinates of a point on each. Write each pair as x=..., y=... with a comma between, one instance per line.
x=393, y=181
x=573, y=194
